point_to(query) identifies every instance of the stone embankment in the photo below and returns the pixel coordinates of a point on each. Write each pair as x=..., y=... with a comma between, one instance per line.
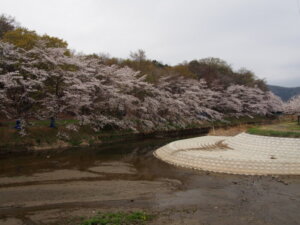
x=243, y=154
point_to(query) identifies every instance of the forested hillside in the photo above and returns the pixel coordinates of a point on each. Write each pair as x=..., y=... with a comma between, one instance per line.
x=41, y=78
x=283, y=92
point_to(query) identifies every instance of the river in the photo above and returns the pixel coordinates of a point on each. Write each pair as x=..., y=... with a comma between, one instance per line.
x=63, y=186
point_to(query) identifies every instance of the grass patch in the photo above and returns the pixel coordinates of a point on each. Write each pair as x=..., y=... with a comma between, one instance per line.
x=136, y=218
x=283, y=129
x=273, y=133
x=291, y=126
x=231, y=121
x=40, y=134
x=40, y=123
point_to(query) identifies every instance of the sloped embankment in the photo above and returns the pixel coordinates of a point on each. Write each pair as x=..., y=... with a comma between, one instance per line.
x=243, y=154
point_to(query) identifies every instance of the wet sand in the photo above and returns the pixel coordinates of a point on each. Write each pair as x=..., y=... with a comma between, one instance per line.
x=63, y=187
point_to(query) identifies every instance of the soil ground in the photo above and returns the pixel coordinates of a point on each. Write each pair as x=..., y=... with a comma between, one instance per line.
x=63, y=188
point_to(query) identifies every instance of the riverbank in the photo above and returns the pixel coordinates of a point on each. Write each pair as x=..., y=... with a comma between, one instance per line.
x=68, y=187
x=290, y=129
x=243, y=154
x=68, y=134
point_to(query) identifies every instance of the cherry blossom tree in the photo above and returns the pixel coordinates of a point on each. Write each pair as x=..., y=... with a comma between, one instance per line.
x=293, y=105
x=44, y=82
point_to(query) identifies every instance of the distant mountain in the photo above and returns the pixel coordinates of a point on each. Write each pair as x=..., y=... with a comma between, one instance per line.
x=283, y=92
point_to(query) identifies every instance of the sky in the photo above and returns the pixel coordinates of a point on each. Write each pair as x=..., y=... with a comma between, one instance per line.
x=260, y=35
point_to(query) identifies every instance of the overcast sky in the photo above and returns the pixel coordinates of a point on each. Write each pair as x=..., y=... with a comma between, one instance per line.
x=261, y=35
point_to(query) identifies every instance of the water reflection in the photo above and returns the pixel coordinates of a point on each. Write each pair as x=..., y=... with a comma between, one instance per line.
x=20, y=164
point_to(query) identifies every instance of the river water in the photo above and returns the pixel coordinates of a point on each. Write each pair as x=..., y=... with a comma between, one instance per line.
x=62, y=187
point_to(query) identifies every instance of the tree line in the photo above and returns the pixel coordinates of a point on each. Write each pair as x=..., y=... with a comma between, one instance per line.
x=41, y=78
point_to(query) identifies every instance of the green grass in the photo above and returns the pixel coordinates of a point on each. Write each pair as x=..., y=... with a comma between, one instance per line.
x=241, y=120
x=40, y=134
x=289, y=129
x=136, y=218
x=291, y=126
x=41, y=123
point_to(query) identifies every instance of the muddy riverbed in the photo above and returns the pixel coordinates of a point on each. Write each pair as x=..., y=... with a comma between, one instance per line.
x=62, y=187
